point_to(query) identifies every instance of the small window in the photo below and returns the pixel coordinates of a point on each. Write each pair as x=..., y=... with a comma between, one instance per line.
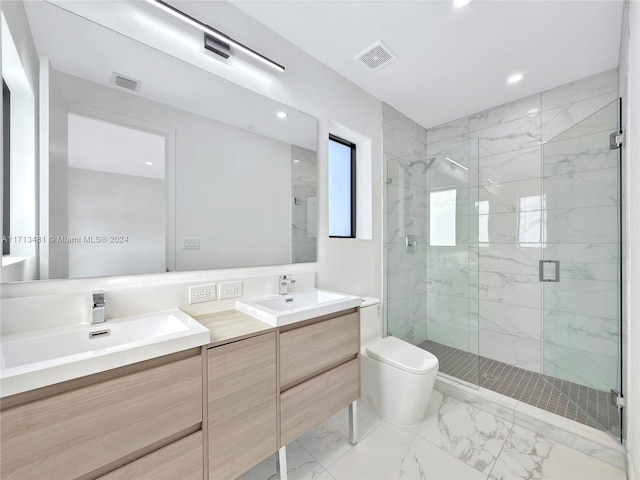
x=342, y=188
x=532, y=217
x=6, y=168
x=442, y=218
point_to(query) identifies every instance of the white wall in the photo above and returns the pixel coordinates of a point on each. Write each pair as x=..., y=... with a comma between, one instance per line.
x=233, y=192
x=54, y=256
x=127, y=210
x=21, y=70
x=630, y=90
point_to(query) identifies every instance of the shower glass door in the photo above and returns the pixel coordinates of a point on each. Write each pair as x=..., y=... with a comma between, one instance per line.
x=581, y=271
x=431, y=252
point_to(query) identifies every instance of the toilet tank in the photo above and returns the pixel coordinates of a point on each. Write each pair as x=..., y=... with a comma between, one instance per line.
x=370, y=320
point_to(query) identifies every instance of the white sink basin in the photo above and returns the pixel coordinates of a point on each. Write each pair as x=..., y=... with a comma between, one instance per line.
x=44, y=357
x=279, y=310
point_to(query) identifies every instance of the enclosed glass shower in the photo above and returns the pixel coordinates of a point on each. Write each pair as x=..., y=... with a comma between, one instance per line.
x=503, y=259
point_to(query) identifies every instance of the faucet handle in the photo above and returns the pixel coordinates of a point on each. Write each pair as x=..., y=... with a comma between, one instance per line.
x=98, y=299
x=286, y=278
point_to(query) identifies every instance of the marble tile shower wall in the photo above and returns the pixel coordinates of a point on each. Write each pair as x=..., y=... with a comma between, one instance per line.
x=405, y=209
x=503, y=217
x=304, y=222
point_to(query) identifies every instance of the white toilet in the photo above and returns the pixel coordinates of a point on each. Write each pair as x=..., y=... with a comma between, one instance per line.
x=397, y=377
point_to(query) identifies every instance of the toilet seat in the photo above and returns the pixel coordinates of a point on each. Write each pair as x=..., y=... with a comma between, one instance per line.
x=402, y=355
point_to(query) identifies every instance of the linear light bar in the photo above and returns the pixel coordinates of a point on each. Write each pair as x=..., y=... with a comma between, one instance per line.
x=456, y=163
x=214, y=33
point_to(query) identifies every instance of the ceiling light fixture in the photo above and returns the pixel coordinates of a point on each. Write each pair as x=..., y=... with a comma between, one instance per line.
x=282, y=114
x=219, y=40
x=461, y=3
x=515, y=78
x=148, y=163
x=456, y=163
x=533, y=111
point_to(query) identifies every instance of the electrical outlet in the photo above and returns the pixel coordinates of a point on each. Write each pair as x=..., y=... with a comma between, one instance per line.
x=230, y=290
x=202, y=293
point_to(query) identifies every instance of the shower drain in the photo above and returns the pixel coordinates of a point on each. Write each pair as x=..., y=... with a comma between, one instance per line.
x=489, y=376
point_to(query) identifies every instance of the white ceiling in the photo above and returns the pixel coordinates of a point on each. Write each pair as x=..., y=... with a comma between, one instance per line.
x=106, y=147
x=452, y=62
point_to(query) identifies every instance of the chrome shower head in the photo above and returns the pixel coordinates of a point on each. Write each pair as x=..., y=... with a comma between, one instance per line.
x=426, y=164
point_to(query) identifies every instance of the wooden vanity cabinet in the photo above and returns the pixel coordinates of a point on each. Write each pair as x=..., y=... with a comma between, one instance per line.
x=319, y=371
x=93, y=425
x=179, y=460
x=242, y=405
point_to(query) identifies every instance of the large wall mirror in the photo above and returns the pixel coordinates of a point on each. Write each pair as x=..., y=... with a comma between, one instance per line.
x=155, y=164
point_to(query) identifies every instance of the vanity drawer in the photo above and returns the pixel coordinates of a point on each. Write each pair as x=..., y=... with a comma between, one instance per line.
x=310, y=403
x=71, y=434
x=181, y=459
x=312, y=348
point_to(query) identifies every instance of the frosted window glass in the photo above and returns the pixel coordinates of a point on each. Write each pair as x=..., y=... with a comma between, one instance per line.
x=442, y=218
x=483, y=221
x=531, y=221
x=339, y=190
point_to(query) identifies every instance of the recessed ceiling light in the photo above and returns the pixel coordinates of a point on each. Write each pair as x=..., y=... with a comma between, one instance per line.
x=148, y=163
x=296, y=161
x=515, y=78
x=461, y=3
x=532, y=111
x=282, y=114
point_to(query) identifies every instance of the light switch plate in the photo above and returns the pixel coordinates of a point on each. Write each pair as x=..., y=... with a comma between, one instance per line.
x=191, y=243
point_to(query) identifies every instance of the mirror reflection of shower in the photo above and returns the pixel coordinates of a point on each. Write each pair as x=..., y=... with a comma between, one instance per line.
x=426, y=164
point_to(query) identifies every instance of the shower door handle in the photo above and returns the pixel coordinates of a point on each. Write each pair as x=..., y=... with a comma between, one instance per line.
x=549, y=271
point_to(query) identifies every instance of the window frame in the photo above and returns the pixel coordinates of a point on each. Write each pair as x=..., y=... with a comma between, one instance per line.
x=6, y=168
x=352, y=147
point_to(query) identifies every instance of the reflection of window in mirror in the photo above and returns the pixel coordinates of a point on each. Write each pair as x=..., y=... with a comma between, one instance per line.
x=6, y=168
x=532, y=218
x=442, y=217
x=342, y=188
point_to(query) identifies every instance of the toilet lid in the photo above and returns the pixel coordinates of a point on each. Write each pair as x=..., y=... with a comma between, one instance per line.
x=403, y=355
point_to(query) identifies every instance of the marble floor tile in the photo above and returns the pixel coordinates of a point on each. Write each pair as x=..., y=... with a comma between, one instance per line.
x=466, y=432
x=325, y=476
x=527, y=455
x=456, y=441
x=565, y=463
x=391, y=452
x=330, y=441
x=522, y=455
x=301, y=466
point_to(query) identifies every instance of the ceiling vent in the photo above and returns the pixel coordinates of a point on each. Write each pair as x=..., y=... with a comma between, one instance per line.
x=125, y=82
x=376, y=56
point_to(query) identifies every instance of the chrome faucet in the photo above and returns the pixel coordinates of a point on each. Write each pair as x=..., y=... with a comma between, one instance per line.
x=97, y=312
x=284, y=283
